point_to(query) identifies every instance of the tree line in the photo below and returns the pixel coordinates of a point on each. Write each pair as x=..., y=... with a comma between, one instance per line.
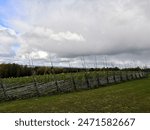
x=16, y=70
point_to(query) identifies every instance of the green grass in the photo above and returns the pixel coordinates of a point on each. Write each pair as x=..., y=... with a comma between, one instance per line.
x=132, y=96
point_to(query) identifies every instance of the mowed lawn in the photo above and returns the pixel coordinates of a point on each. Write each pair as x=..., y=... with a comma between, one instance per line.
x=132, y=96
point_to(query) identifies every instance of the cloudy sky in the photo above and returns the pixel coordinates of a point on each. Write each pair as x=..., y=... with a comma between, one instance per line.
x=114, y=30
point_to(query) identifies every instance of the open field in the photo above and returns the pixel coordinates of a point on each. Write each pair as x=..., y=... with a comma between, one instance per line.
x=131, y=96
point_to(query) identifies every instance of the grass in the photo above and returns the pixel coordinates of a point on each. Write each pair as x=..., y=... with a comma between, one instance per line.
x=132, y=96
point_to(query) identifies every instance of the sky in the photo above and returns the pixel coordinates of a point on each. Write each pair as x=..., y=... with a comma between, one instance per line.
x=116, y=31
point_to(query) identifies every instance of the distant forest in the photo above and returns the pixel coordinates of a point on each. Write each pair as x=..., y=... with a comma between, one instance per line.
x=16, y=70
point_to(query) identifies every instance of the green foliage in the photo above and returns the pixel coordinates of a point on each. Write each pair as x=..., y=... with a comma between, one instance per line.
x=60, y=76
x=14, y=70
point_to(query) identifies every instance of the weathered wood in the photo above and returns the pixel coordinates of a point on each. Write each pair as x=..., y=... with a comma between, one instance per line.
x=4, y=89
x=67, y=85
x=103, y=80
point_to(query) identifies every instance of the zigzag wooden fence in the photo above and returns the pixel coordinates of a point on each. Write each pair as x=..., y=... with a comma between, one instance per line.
x=88, y=81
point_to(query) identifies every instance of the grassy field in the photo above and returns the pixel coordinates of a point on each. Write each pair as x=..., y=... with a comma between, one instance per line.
x=132, y=96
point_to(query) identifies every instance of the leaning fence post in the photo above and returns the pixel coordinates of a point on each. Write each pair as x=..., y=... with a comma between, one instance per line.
x=107, y=69
x=120, y=73
x=114, y=76
x=54, y=75
x=36, y=86
x=34, y=79
x=72, y=77
x=73, y=81
x=4, y=89
x=97, y=73
x=126, y=73
x=97, y=78
x=85, y=72
x=113, y=73
x=121, y=79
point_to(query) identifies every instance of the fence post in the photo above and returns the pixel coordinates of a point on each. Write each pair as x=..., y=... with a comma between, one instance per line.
x=36, y=85
x=33, y=75
x=120, y=73
x=127, y=75
x=87, y=81
x=73, y=81
x=85, y=72
x=114, y=77
x=97, y=73
x=3, y=88
x=53, y=75
x=97, y=77
x=107, y=69
x=72, y=77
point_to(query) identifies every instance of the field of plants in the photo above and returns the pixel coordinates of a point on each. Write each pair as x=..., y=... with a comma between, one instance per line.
x=63, y=76
x=131, y=96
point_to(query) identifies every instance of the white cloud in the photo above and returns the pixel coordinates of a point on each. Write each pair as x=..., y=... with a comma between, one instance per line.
x=7, y=41
x=67, y=36
x=39, y=55
x=45, y=39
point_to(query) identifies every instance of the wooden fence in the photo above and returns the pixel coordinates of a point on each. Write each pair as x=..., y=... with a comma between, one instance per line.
x=36, y=88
